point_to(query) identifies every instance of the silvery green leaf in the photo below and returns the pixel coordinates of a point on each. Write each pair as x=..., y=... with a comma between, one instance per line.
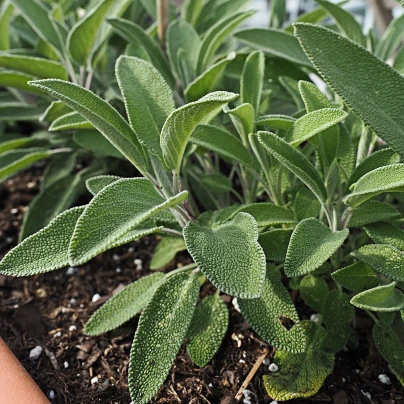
x=6, y=11
x=182, y=121
x=207, y=329
x=70, y=121
x=372, y=211
x=292, y=88
x=94, y=141
x=264, y=314
x=20, y=111
x=235, y=262
x=217, y=183
x=55, y=110
x=124, y=205
x=314, y=290
x=17, y=80
x=96, y=184
x=312, y=243
x=166, y=250
x=161, y=330
x=390, y=39
x=243, y=120
x=386, y=233
x=58, y=169
x=124, y=305
x=356, y=277
x=191, y=10
x=283, y=122
x=275, y=243
x=43, y=251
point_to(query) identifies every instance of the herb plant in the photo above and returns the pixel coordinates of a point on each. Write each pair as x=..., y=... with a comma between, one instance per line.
x=267, y=180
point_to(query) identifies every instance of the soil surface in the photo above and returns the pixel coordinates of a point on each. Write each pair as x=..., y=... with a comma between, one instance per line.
x=50, y=310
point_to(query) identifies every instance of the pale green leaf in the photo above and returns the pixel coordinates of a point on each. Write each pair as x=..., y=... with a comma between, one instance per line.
x=265, y=315
x=277, y=13
x=58, y=169
x=70, y=121
x=97, y=184
x=243, y=120
x=20, y=112
x=217, y=183
x=16, y=143
x=124, y=305
x=283, y=122
x=191, y=10
x=97, y=143
x=43, y=251
x=292, y=88
x=123, y=205
x=312, y=243
x=252, y=80
x=207, y=329
x=390, y=39
x=166, y=250
x=18, y=80
x=55, y=110
x=386, y=233
x=356, y=277
x=372, y=211
x=275, y=243
x=229, y=255
x=6, y=11
x=181, y=123
x=161, y=330
x=314, y=290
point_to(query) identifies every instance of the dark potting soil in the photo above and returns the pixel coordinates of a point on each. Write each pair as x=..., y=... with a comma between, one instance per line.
x=50, y=310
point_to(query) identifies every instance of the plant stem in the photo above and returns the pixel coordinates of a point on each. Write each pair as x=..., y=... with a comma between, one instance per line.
x=89, y=80
x=171, y=231
x=162, y=20
x=182, y=269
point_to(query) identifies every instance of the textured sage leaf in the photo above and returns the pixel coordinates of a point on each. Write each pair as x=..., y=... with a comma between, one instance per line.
x=315, y=122
x=148, y=99
x=161, y=330
x=386, y=233
x=123, y=205
x=267, y=214
x=265, y=315
x=55, y=110
x=34, y=66
x=44, y=251
x=314, y=290
x=390, y=39
x=41, y=22
x=100, y=114
x=385, y=298
x=292, y=88
x=58, y=169
x=214, y=37
x=346, y=22
x=207, y=329
x=274, y=42
x=276, y=121
x=134, y=33
x=82, y=36
x=372, y=211
x=391, y=348
x=97, y=184
x=229, y=255
x=275, y=243
x=384, y=179
x=70, y=121
x=377, y=159
x=94, y=141
x=243, y=120
x=372, y=96
x=208, y=81
x=124, y=305
x=18, y=80
x=294, y=161
x=6, y=11
x=181, y=123
x=384, y=258
x=300, y=374
x=312, y=243
x=166, y=250
x=356, y=277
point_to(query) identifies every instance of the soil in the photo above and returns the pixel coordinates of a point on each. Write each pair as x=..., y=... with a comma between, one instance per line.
x=50, y=310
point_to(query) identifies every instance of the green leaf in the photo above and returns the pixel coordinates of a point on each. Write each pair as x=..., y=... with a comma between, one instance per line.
x=82, y=36
x=41, y=22
x=292, y=88
x=124, y=204
x=375, y=96
x=215, y=36
x=301, y=374
x=372, y=211
x=97, y=184
x=13, y=161
x=252, y=80
x=314, y=123
x=391, y=348
x=384, y=179
x=16, y=143
x=207, y=329
x=161, y=330
x=313, y=16
x=275, y=243
x=356, y=277
x=243, y=120
x=229, y=255
x=312, y=243
x=100, y=114
x=283, y=122
x=6, y=11
x=124, y=305
x=267, y=214
x=37, y=67
x=386, y=233
x=277, y=13
x=208, y=80
x=18, y=80
x=94, y=141
x=19, y=111
x=58, y=169
x=314, y=290
x=383, y=298
x=148, y=99
x=384, y=258
x=390, y=39
x=166, y=250
x=181, y=123
x=346, y=22
x=274, y=42
x=265, y=315
x=191, y=10
x=55, y=110
x=70, y=121
x=217, y=183
x=294, y=161
x=44, y=251
x=134, y=33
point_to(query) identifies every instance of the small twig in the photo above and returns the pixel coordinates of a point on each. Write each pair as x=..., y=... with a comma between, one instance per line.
x=88, y=81
x=162, y=20
x=252, y=373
